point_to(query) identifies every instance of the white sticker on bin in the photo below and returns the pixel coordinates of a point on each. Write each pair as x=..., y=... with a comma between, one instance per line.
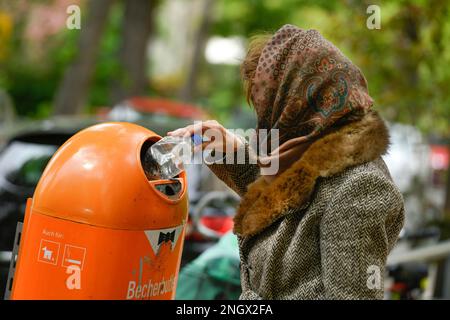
x=159, y=236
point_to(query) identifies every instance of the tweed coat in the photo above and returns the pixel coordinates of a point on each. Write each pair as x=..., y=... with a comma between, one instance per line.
x=323, y=228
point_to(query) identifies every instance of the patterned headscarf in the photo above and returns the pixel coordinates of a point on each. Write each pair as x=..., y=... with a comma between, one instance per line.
x=303, y=84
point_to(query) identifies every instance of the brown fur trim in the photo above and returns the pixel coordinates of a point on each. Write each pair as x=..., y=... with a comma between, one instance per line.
x=356, y=143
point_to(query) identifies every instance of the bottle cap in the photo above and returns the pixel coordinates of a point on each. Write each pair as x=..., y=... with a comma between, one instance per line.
x=197, y=139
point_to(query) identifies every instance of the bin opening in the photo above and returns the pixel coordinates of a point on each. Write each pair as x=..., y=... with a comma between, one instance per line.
x=149, y=164
x=171, y=189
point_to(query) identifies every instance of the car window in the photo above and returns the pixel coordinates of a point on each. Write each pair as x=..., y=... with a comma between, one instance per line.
x=22, y=163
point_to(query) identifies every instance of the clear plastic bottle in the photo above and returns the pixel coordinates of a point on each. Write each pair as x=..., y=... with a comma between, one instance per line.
x=172, y=152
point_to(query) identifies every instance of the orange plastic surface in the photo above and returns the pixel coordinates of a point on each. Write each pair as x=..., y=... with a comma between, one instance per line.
x=96, y=178
x=60, y=259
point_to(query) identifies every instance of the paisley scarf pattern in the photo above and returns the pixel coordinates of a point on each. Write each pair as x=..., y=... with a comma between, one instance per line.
x=303, y=84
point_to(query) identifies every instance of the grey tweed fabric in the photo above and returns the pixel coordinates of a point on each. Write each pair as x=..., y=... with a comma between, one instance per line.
x=237, y=176
x=333, y=246
x=328, y=248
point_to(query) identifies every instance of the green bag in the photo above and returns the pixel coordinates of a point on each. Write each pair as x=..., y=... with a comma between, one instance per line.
x=215, y=274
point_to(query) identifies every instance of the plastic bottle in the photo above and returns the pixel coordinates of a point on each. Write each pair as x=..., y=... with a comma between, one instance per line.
x=170, y=153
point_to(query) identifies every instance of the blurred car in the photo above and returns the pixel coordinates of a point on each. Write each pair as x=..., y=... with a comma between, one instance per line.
x=141, y=109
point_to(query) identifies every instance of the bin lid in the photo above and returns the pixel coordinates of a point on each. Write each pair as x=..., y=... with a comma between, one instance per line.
x=96, y=178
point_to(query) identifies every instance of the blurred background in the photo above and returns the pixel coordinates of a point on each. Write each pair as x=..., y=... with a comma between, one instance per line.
x=165, y=63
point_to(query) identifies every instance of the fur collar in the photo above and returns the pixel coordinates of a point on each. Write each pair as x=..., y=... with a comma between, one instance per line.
x=353, y=144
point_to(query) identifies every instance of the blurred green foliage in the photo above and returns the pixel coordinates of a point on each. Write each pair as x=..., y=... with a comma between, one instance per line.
x=406, y=63
x=32, y=82
x=107, y=67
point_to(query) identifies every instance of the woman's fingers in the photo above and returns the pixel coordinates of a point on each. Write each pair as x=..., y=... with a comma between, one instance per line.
x=178, y=132
x=198, y=128
x=190, y=130
x=213, y=132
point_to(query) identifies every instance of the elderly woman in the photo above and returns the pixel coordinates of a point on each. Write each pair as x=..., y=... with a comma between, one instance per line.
x=324, y=224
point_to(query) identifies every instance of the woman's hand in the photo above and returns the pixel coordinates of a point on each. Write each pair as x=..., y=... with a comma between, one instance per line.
x=215, y=136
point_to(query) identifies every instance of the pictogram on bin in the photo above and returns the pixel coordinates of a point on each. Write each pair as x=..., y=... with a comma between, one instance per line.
x=96, y=227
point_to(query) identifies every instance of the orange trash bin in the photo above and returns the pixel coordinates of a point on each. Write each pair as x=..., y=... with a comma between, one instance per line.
x=97, y=228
